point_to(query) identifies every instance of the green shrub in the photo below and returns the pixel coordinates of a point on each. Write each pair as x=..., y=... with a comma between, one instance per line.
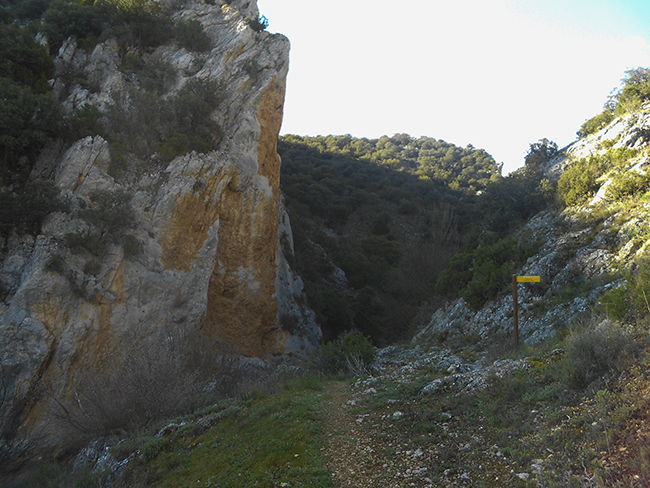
x=350, y=354
x=66, y=18
x=186, y=430
x=488, y=279
x=311, y=382
x=28, y=121
x=631, y=300
x=86, y=122
x=381, y=248
x=626, y=184
x=580, y=182
x=132, y=63
x=110, y=217
x=380, y=227
x=154, y=446
x=23, y=60
x=85, y=240
x=112, y=212
x=634, y=92
x=407, y=207
x=143, y=123
x=615, y=303
x=27, y=208
x=132, y=246
x=55, y=264
x=593, y=352
x=540, y=152
x=192, y=37
x=596, y=123
x=478, y=273
x=136, y=23
x=119, y=163
x=93, y=267
x=157, y=76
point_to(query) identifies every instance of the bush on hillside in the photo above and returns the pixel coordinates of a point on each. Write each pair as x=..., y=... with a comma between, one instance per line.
x=144, y=123
x=26, y=209
x=110, y=217
x=596, y=123
x=111, y=212
x=509, y=202
x=579, y=182
x=630, y=300
x=14, y=448
x=141, y=24
x=582, y=179
x=28, y=121
x=594, y=351
x=192, y=37
x=479, y=272
x=350, y=354
x=24, y=11
x=86, y=121
x=626, y=184
x=258, y=25
x=23, y=60
x=157, y=76
x=635, y=91
x=70, y=18
x=540, y=152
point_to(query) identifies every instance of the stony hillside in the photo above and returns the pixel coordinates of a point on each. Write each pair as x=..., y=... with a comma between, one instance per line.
x=583, y=251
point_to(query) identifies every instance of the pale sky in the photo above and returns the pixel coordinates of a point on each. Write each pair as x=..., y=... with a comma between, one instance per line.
x=497, y=74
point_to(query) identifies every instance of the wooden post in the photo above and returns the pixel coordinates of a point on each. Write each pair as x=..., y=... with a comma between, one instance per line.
x=515, y=299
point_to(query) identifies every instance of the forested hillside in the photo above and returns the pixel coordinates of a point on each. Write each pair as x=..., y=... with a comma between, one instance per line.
x=391, y=213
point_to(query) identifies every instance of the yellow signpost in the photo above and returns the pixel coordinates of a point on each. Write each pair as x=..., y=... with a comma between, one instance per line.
x=519, y=279
x=528, y=279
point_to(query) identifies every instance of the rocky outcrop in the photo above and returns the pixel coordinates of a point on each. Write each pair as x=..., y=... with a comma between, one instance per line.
x=208, y=226
x=581, y=251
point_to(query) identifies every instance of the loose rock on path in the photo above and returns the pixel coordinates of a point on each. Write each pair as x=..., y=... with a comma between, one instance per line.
x=362, y=453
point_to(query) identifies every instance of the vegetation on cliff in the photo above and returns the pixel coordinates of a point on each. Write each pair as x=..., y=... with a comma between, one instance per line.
x=633, y=94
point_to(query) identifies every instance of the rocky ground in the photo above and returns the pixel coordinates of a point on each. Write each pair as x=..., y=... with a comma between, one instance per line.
x=371, y=444
x=394, y=428
x=422, y=415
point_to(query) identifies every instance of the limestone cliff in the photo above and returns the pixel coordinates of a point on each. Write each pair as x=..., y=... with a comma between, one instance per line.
x=207, y=225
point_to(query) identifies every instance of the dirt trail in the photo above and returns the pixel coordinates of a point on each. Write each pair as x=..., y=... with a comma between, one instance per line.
x=364, y=450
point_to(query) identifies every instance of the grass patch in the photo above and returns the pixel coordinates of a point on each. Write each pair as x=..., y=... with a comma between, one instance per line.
x=270, y=441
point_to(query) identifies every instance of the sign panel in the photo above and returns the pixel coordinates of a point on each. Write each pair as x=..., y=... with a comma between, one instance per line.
x=528, y=279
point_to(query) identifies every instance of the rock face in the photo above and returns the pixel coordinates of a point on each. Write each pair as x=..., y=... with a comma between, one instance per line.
x=208, y=225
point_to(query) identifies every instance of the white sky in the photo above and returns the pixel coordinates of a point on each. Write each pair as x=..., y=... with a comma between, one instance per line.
x=497, y=74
